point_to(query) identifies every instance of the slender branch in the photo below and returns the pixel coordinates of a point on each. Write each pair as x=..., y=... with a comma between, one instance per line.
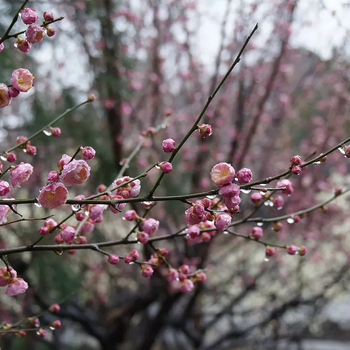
x=210, y=98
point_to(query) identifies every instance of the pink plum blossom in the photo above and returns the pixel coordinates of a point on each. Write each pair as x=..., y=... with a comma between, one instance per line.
x=205, y=130
x=168, y=145
x=113, y=259
x=270, y=251
x=244, y=175
x=13, y=92
x=35, y=34
x=143, y=237
x=150, y=226
x=222, y=221
x=88, y=153
x=22, y=79
x=20, y=173
x=75, y=173
x=68, y=234
x=23, y=45
x=4, y=211
x=292, y=249
x=65, y=159
x=230, y=190
x=186, y=286
x=130, y=215
x=287, y=184
x=129, y=190
x=146, y=271
x=52, y=176
x=222, y=174
x=11, y=157
x=53, y=195
x=16, y=286
x=4, y=188
x=48, y=16
x=193, y=231
x=29, y=16
x=257, y=232
x=97, y=211
x=5, y=97
x=166, y=167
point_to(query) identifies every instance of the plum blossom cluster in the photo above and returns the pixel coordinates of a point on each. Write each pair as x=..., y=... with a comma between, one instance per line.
x=22, y=80
x=34, y=33
x=9, y=279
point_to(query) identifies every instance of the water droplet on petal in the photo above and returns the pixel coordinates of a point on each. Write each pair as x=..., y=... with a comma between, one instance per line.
x=163, y=126
x=47, y=132
x=260, y=223
x=52, y=328
x=318, y=162
x=58, y=251
x=267, y=259
x=262, y=193
x=3, y=158
x=263, y=184
x=341, y=150
x=225, y=232
x=290, y=221
x=123, y=218
x=236, y=178
x=24, y=150
x=15, y=45
x=245, y=191
x=138, y=242
x=296, y=253
x=157, y=167
x=38, y=205
x=86, y=213
x=279, y=208
x=131, y=263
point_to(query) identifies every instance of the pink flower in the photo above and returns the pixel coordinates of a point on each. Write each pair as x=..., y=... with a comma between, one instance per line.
x=196, y=214
x=23, y=45
x=1, y=46
x=50, y=31
x=130, y=190
x=55, y=324
x=54, y=308
x=287, y=184
x=230, y=190
x=5, y=97
x=75, y=173
x=96, y=212
x=292, y=249
x=296, y=170
x=53, y=195
x=278, y=202
x=270, y=251
x=166, y=167
x=232, y=202
x=68, y=234
x=172, y=275
x=20, y=174
x=6, y=275
x=222, y=221
x=302, y=250
x=142, y=237
x=256, y=197
x=35, y=34
x=113, y=259
x=16, y=286
x=168, y=145
x=4, y=188
x=193, y=231
x=48, y=16
x=50, y=223
x=257, y=232
x=56, y=132
x=186, y=286
x=52, y=176
x=295, y=160
x=150, y=226
x=65, y=159
x=130, y=215
x=88, y=153
x=29, y=16
x=134, y=254
x=4, y=211
x=222, y=174
x=205, y=130
x=13, y=92
x=244, y=176
x=11, y=157
x=146, y=271
x=22, y=79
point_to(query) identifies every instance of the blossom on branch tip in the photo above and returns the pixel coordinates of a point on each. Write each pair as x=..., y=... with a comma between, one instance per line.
x=130, y=215
x=54, y=308
x=75, y=173
x=55, y=132
x=22, y=79
x=257, y=232
x=8, y=277
x=295, y=160
x=11, y=157
x=55, y=324
x=5, y=97
x=292, y=249
x=29, y=16
x=31, y=150
x=35, y=34
x=270, y=251
x=222, y=174
x=88, y=153
x=50, y=31
x=205, y=130
x=146, y=271
x=52, y=196
x=20, y=173
x=302, y=250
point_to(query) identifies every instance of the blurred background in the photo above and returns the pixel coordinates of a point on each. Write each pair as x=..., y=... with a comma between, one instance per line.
x=154, y=63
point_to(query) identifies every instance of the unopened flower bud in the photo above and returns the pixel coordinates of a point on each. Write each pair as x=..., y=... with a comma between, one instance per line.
x=296, y=170
x=113, y=259
x=31, y=150
x=270, y=251
x=292, y=249
x=205, y=130
x=295, y=160
x=166, y=167
x=168, y=145
x=88, y=153
x=257, y=233
x=55, y=132
x=13, y=92
x=127, y=259
x=55, y=324
x=244, y=176
x=29, y=16
x=48, y=16
x=302, y=250
x=11, y=157
x=54, y=308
